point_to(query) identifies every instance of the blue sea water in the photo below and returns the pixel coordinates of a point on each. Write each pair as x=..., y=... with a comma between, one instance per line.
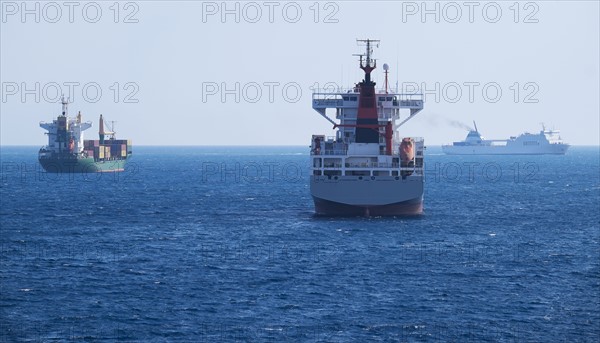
x=205, y=244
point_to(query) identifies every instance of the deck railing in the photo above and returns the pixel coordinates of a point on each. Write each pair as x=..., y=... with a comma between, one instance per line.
x=324, y=95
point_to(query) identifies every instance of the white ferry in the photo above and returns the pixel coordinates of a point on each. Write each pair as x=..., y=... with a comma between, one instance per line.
x=542, y=143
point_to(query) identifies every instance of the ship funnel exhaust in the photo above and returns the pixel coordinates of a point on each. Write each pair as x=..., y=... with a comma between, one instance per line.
x=367, y=130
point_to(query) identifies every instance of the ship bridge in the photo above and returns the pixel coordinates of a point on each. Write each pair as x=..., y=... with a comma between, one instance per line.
x=346, y=105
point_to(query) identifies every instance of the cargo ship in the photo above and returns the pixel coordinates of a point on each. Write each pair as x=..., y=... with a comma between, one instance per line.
x=546, y=142
x=367, y=168
x=68, y=152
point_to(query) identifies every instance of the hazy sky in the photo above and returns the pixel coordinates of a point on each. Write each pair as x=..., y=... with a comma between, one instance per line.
x=197, y=73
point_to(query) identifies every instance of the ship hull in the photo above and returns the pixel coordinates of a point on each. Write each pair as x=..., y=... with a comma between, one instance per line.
x=550, y=149
x=81, y=165
x=377, y=196
x=411, y=207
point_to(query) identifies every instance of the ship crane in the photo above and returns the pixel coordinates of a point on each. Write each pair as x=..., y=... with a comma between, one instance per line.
x=102, y=132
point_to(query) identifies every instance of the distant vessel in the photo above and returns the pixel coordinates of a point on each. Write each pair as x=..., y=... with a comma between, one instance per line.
x=545, y=142
x=67, y=152
x=367, y=169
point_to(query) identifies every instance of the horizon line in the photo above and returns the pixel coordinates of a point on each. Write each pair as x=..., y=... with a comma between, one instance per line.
x=250, y=146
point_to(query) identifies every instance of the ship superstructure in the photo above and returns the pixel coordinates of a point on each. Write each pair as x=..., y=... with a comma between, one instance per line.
x=367, y=168
x=546, y=142
x=68, y=152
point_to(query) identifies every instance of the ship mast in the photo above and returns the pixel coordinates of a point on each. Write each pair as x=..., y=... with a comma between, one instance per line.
x=386, y=69
x=65, y=106
x=62, y=131
x=370, y=64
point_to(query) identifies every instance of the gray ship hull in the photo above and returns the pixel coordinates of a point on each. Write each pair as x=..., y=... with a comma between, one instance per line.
x=369, y=196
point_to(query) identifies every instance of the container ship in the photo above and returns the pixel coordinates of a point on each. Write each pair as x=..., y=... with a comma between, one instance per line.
x=367, y=168
x=546, y=142
x=68, y=152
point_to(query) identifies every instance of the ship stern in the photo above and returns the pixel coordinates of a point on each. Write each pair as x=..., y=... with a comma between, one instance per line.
x=350, y=196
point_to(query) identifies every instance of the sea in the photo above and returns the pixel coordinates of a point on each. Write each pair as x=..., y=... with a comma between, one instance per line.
x=221, y=244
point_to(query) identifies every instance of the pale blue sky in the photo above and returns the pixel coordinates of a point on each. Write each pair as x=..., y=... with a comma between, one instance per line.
x=172, y=50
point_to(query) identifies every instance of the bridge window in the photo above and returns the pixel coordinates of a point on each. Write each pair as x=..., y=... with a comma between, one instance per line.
x=332, y=173
x=358, y=173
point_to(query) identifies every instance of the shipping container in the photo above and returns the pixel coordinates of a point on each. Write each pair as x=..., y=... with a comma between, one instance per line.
x=99, y=152
x=91, y=143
